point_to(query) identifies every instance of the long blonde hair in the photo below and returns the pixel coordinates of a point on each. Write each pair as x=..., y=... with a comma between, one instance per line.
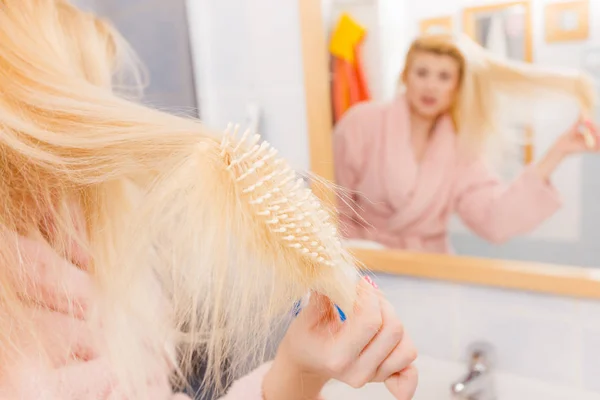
x=162, y=217
x=483, y=75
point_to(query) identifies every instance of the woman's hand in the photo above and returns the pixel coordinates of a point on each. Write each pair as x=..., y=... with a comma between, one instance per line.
x=59, y=292
x=574, y=140
x=371, y=346
x=571, y=142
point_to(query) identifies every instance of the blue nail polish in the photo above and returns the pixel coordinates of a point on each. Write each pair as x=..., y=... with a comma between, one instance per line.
x=342, y=315
x=298, y=307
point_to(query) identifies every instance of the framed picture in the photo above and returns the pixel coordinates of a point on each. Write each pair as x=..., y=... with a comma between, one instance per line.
x=436, y=25
x=567, y=21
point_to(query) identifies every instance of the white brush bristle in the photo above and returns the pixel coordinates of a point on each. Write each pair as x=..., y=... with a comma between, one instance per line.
x=279, y=198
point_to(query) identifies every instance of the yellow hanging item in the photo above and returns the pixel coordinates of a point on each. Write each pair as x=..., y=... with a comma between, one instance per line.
x=346, y=35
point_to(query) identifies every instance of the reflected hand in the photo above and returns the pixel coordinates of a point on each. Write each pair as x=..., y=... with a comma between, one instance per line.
x=581, y=137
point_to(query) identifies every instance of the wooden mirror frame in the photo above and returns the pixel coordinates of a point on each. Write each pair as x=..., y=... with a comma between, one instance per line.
x=447, y=22
x=469, y=22
x=542, y=278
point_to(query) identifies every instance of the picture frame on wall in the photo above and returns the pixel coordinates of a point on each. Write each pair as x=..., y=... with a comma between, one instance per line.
x=437, y=25
x=567, y=21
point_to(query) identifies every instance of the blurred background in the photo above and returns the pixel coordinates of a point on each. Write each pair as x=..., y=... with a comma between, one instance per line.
x=158, y=31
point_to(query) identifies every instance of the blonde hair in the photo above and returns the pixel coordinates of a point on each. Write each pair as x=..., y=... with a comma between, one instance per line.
x=166, y=224
x=484, y=74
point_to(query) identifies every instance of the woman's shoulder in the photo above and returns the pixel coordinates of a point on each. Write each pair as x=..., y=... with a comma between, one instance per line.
x=364, y=113
x=370, y=108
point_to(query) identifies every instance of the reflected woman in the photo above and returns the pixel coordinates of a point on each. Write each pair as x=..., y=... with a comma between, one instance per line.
x=411, y=163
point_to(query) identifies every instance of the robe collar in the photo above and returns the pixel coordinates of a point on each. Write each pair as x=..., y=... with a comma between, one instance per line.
x=413, y=188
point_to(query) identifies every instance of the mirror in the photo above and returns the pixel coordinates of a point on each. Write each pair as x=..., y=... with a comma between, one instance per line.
x=437, y=25
x=504, y=29
x=408, y=207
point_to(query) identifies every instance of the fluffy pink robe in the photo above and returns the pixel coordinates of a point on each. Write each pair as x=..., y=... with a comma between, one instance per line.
x=406, y=205
x=61, y=288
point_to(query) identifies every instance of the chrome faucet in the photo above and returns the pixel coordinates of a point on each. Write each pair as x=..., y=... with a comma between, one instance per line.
x=478, y=383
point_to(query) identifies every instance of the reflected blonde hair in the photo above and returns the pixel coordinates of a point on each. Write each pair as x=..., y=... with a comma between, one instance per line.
x=484, y=74
x=177, y=257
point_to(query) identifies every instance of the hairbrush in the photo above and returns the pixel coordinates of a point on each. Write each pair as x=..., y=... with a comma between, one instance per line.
x=292, y=220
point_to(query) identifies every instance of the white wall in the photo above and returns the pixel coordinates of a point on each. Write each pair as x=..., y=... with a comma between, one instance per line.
x=394, y=23
x=249, y=51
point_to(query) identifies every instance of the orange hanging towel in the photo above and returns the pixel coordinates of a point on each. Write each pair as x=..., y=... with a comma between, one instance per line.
x=349, y=82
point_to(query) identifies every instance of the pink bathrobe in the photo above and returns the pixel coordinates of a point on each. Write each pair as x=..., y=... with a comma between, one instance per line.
x=61, y=291
x=406, y=205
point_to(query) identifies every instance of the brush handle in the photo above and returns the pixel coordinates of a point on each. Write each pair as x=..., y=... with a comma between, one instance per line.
x=341, y=314
x=348, y=273
x=299, y=305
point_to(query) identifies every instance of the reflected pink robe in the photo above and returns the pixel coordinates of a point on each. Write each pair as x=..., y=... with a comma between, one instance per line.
x=402, y=204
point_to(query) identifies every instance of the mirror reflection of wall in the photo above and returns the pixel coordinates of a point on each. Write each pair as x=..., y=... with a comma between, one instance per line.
x=513, y=30
x=503, y=31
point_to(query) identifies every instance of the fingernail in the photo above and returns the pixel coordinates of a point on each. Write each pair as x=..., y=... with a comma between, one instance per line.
x=342, y=315
x=370, y=281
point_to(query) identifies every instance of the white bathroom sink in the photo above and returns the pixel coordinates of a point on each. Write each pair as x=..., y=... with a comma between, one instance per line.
x=435, y=378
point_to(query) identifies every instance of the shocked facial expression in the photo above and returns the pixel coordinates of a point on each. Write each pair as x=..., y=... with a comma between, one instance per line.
x=432, y=82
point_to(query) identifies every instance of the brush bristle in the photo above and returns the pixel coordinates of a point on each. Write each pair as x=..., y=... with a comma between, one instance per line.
x=279, y=198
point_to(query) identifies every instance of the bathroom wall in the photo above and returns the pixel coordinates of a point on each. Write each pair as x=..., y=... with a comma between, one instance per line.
x=248, y=52
x=158, y=32
x=260, y=62
x=548, y=338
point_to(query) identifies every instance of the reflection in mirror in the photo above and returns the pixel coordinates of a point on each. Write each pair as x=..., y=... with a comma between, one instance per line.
x=504, y=30
x=567, y=21
x=435, y=26
x=479, y=149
